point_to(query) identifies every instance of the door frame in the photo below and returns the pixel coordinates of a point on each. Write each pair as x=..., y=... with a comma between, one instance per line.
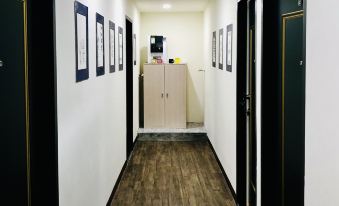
x=43, y=132
x=129, y=84
x=242, y=63
x=252, y=92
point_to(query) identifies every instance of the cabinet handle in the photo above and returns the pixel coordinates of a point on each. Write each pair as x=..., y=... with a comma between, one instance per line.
x=167, y=95
x=162, y=95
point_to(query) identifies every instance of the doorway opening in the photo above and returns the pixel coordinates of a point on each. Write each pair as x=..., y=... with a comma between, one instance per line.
x=129, y=85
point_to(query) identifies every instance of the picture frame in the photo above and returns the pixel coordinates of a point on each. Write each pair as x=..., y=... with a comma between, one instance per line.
x=81, y=42
x=121, y=49
x=111, y=47
x=229, y=45
x=100, y=45
x=214, y=49
x=135, y=49
x=221, y=49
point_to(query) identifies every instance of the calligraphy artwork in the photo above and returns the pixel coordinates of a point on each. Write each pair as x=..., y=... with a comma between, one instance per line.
x=100, y=45
x=214, y=49
x=81, y=41
x=221, y=48
x=229, y=44
x=111, y=47
x=121, y=49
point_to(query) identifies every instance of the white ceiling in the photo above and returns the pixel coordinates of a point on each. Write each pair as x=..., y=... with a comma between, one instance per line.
x=177, y=5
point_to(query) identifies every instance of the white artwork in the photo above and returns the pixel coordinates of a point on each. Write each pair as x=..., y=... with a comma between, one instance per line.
x=221, y=43
x=214, y=49
x=82, y=41
x=229, y=48
x=100, y=44
x=112, y=45
x=120, y=49
x=135, y=49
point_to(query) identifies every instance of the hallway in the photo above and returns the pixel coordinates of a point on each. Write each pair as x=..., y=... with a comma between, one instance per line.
x=173, y=173
x=169, y=102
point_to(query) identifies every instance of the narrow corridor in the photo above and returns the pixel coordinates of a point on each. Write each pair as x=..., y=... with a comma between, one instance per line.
x=173, y=173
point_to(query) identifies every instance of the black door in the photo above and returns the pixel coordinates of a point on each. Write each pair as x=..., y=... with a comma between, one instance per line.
x=252, y=137
x=241, y=103
x=283, y=104
x=293, y=109
x=13, y=108
x=246, y=105
x=252, y=185
x=129, y=85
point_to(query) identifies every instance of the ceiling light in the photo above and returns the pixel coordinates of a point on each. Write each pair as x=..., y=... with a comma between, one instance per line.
x=166, y=6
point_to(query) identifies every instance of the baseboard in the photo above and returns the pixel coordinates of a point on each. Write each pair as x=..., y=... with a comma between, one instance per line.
x=224, y=173
x=116, y=185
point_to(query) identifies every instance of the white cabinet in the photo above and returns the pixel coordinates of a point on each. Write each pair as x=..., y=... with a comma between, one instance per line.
x=165, y=95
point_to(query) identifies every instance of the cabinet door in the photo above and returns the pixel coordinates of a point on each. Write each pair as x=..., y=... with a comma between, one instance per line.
x=154, y=104
x=175, y=101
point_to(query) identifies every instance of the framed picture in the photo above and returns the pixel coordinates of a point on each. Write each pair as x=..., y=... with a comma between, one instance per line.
x=81, y=41
x=111, y=47
x=121, y=49
x=214, y=49
x=229, y=44
x=100, y=45
x=135, y=49
x=221, y=48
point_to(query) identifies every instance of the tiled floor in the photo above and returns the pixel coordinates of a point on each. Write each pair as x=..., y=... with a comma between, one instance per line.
x=192, y=127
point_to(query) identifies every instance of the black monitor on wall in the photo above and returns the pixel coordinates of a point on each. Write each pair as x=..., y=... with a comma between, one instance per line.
x=157, y=45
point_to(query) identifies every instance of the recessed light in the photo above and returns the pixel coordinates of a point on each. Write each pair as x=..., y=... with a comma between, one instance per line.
x=166, y=6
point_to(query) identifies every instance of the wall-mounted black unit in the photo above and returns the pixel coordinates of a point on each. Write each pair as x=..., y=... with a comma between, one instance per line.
x=157, y=45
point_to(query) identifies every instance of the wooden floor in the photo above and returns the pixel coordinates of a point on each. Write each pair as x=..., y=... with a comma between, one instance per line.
x=173, y=173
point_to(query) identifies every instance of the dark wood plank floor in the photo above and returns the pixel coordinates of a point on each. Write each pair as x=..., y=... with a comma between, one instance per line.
x=173, y=174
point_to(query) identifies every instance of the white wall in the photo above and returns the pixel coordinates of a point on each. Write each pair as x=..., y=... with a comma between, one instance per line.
x=220, y=86
x=91, y=114
x=184, y=32
x=322, y=100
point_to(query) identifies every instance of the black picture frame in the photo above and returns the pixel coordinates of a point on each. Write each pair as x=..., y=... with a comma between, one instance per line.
x=100, y=59
x=229, y=45
x=135, y=49
x=121, y=48
x=81, y=71
x=214, y=49
x=221, y=49
x=111, y=33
